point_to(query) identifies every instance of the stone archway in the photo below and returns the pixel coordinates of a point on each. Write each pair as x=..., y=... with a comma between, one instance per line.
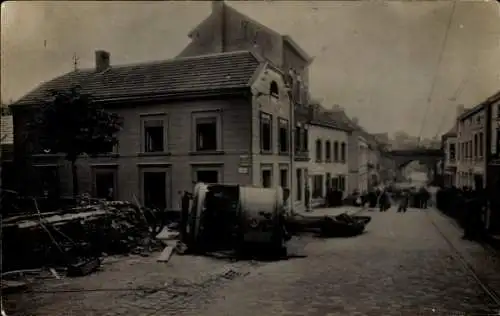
x=429, y=157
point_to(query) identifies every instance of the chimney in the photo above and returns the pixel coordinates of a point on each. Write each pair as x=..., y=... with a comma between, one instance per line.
x=217, y=6
x=355, y=120
x=101, y=60
x=460, y=110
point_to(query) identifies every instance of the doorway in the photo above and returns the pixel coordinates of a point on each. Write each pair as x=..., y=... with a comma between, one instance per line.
x=105, y=183
x=155, y=189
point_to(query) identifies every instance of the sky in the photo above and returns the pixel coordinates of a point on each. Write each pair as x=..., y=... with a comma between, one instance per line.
x=390, y=64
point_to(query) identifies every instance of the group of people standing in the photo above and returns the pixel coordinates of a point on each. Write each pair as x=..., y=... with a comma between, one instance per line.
x=383, y=197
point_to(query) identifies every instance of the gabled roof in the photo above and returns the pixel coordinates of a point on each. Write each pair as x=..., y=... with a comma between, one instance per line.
x=175, y=76
x=490, y=100
x=328, y=119
x=451, y=133
x=302, y=53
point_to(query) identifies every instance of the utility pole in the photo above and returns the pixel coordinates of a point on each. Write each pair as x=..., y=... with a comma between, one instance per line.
x=75, y=61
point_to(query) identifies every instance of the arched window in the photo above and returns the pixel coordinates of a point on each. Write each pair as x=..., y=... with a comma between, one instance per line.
x=336, y=151
x=273, y=89
x=319, y=151
x=328, y=151
x=343, y=152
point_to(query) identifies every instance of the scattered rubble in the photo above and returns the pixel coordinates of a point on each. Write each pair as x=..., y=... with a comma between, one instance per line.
x=77, y=237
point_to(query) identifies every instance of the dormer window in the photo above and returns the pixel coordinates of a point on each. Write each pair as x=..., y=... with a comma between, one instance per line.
x=273, y=89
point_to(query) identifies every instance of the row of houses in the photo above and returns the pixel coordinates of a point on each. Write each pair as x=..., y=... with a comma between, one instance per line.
x=233, y=107
x=472, y=152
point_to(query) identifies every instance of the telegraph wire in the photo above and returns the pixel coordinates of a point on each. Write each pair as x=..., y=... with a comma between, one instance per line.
x=436, y=73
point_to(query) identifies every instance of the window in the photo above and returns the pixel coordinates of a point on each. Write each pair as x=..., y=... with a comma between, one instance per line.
x=328, y=180
x=299, y=184
x=343, y=152
x=335, y=183
x=319, y=151
x=283, y=135
x=207, y=176
x=498, y=111
x=267, y=178
x=481, y=144
x=154, y=188
x=206, y=134
x=284, y=177
x=105, y=184
x=452, y=152
x=317, y=186
x=273, y=89
x=154, y=134
x=328, y=151
x=336, y=151
x=266, y=132
x=498, y=141
x=305, y=140
x=476, y=143
x=341, y=184
x=48, y=180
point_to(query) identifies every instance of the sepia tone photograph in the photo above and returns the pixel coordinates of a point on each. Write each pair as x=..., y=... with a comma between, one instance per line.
x=288, y=158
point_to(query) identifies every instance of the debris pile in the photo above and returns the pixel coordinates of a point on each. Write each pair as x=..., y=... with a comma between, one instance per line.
x=76, y=237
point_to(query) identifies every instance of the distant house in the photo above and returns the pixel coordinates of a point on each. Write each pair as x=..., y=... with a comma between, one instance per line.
x=221, y=117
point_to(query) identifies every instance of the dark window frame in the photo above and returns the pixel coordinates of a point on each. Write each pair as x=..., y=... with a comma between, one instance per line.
x=319, y=150
x=264, y=119
x=283, y=131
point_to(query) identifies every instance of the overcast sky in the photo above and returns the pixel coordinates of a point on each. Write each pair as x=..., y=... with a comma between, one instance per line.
x=376, y=59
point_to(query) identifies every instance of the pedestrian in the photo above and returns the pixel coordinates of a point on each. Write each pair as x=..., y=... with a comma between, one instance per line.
x=307, y=196
x=403, y=202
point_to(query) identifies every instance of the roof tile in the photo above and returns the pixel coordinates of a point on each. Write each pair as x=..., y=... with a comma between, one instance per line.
x=200, y=73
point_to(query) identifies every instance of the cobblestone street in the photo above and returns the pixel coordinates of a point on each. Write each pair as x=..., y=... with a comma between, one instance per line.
x=401, y=266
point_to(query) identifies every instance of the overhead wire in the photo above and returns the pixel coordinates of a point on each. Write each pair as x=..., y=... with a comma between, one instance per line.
x=458, y=91
x=436, y=72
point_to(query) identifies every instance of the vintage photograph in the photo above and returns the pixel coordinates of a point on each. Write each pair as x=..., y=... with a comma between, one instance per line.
x=209, y=158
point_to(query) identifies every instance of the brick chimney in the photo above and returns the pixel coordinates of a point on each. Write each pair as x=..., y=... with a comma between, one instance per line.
x=101, y=60
x=219, y=25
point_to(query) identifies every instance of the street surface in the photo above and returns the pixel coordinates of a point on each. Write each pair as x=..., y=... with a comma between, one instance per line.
x=402, y=265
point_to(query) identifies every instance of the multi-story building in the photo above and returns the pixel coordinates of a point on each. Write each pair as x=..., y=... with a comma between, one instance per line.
x=328, y=146
x=492, y=105
x=222, y=117
x=471, y=130
x=449, y=166
x=227, y=29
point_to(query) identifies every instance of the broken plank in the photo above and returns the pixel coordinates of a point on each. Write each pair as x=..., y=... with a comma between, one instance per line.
x=166, y=254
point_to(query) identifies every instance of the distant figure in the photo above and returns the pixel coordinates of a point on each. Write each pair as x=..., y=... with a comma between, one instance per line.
x=383, y=201
x=307, y=196
x=109, y=196
x=403, y=203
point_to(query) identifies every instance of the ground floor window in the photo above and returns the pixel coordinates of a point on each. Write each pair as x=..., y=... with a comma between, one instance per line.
x=105, y=183
x=266, y=176
x=207, y=176
x=341, y=183
x=284, y=177
x=317, y=191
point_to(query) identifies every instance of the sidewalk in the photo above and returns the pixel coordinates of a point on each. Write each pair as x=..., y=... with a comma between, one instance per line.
x=483, y=260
